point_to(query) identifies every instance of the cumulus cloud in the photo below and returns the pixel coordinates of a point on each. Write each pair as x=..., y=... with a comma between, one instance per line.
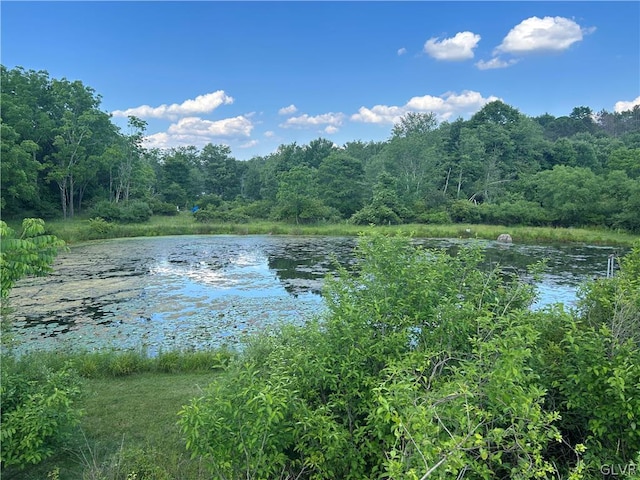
x=288, y=110
x=249, y=144
x=402, y=51
x=330, y=129
x=199, y=105
x=494, y=63
x=239, y=126
x=444, y=106
x=304, y=121
x=455, y=48
x=198, y=132
x=379, y=114
x=623, y=106
x=269, y=133
x=542, y=34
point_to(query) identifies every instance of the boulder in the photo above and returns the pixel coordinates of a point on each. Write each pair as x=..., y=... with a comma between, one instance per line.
x=505, y=238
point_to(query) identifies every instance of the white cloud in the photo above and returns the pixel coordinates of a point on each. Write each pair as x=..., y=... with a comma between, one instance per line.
x=249, y=144
x=199, y=105
x=402, y=51
x=288, y=110
x=269, y=133
x=456, y=48
x=239, y=126
x=623, y=106
x=198, y=132
x=378, y=114
x=542, y=34
x=303, y=121
x=445, y=106
x=495, y=62
x=330, y=129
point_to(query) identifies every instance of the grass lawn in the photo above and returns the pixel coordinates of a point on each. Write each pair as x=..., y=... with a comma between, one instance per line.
x=129, y=425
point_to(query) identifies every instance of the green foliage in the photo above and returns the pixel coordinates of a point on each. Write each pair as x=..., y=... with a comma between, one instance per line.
x=422, y=365
x=159, y=207
x=38, y=408
x=435, y=218
x=106, y=210
x=226, y=213
x=100, y=226
x=463, y=211
x=518, y=212
x=385, y=207
x=31, y=253
x=135, y=211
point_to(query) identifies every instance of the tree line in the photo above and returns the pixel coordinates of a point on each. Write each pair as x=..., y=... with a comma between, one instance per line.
x=63, y=156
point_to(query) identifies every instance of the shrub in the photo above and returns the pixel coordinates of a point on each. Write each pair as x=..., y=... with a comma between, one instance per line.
x=463, y=211
x=37, y=409
x=370, y=215
x=158, y=207
x=519, y=212
x=214, y=214
x=100, y=225
x=109, y=211
x=135, y=212
x=435, y=218
x=421, y=367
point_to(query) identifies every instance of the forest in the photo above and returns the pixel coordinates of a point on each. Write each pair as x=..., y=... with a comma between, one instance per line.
x=62, y=156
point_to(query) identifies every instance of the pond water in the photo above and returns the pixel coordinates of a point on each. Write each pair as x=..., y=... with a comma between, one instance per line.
x=191, y=292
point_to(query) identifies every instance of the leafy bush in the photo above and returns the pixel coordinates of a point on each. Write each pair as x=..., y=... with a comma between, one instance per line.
x=30, y=253
x=109, y=211
x=463, y=211
x=435, y=218
x=209, y=200
x=211, y=214
x=135, y=212
x=421, y=367
x=371, y=215
x=158, y=207
x=100, y=225
x=519, y=212
x=37, y=409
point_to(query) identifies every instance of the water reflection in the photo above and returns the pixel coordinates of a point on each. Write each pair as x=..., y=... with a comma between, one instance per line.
x=200, y=291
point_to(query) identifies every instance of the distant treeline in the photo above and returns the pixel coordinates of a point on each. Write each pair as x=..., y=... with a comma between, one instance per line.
x=62, y=155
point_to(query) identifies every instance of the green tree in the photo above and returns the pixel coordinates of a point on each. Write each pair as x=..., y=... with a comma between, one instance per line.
x=570, y=194
x=341, y=183
x=385, y=207
x=414, y=124
x=298, y=195
x=180, y=178
x=130, y=160
x=19, y=170
x=77, y=140
x=221, y=176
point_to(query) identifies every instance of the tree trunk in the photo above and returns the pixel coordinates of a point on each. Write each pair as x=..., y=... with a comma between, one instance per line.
x=71, y=193
x=446, y=183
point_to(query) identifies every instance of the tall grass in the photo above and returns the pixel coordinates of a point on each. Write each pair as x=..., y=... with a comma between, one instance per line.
x=78, y=230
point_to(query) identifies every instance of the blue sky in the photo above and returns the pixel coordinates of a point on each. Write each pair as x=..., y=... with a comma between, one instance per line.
x=255, y=75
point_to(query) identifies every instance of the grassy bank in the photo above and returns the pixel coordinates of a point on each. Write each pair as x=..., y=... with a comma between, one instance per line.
x=128, y=426
x=78, y=230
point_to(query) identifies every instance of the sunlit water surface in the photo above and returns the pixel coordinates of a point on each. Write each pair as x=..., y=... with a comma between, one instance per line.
x=192, y=292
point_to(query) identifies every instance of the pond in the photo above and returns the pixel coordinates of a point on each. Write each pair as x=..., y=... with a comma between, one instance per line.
x=192, y=292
